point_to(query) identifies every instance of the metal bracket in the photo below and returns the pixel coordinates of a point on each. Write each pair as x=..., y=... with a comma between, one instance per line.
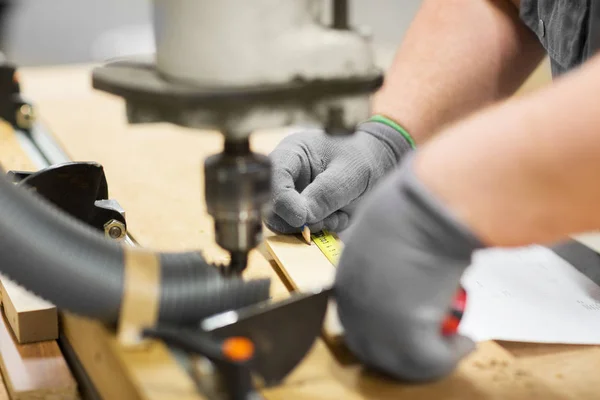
x=79, y=189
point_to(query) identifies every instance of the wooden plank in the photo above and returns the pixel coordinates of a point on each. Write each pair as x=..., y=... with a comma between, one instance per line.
x=12, y=155
x=304, y=268
x=31, y=318
x=566, y=371
x=151, y=373
x=490, y=373
x=34, y=371
x=3, y=391
x=561, y=366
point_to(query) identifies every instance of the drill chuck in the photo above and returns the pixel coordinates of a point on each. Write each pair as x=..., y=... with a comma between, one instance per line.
x=237, y=190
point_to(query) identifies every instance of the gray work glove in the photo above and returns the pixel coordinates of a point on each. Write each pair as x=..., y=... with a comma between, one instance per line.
x=397, y=278
x=318, y=179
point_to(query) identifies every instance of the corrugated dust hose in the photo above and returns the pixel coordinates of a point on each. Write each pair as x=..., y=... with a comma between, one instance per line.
x=77, y=269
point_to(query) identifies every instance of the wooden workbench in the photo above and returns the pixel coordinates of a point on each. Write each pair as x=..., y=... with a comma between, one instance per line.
x=155, y=172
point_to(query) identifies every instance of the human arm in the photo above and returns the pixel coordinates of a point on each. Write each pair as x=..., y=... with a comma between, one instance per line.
x=457, y=56
x=530, y=178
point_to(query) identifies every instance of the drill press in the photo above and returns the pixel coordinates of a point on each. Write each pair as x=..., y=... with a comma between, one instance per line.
x=240, y=66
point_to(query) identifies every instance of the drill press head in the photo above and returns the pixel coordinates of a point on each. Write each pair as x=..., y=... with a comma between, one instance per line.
x=241, y=66
x=237, y=187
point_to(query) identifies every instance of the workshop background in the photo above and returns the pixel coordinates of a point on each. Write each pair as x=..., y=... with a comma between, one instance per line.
x=78, y=31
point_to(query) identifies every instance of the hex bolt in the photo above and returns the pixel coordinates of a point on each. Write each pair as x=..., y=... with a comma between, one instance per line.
x=115, y=232
x=25, y=116
x=114, y=229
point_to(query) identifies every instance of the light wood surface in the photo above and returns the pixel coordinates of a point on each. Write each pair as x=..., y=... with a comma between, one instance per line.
x=303, y=268
x=31, y=318
x=490, y=373
x=34, y=371
x=150, y=373
x=12, y=155
x=155, y=173
x=3, y=391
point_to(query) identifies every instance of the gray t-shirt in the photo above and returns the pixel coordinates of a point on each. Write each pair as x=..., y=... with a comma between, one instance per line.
x=565, y=28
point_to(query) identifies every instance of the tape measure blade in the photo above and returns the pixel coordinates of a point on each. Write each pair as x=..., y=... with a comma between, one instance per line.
x=329, y=245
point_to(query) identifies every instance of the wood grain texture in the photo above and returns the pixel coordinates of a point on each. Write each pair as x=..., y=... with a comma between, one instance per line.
x=563, y=367
x=31, y=318
x=12, y=155
x=303, y=268
x=3, y=391
x=489, y=373
x=151, y=373
x=34, y=371
x=166, y=210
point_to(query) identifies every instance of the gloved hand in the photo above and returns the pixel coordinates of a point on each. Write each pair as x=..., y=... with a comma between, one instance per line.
x=397, y=277
x=318, y=179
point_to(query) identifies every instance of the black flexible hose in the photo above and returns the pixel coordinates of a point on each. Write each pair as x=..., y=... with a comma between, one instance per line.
x=70, y=265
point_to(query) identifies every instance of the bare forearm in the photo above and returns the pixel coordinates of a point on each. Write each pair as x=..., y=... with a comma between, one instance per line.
x=458, y=56
x=527, y=171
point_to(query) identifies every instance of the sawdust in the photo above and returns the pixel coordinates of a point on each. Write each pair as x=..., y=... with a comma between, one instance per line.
x=491, y=364
x=521, y=373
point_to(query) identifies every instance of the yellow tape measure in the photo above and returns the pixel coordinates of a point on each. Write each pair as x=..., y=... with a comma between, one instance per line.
x=329, y=245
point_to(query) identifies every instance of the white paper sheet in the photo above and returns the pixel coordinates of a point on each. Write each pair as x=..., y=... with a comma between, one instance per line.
x=529, y=295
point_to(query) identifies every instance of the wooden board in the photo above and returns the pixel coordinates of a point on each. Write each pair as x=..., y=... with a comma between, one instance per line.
x=12, y=155
x=3, y=391
x=303, y=268
x=161, y=206
x=31, y=318
x=35, y=371
x=565, y=366
x=489, y=373
x=148, y=374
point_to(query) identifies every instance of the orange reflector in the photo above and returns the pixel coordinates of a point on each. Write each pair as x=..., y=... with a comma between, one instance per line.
x=238, y=349
x=16, y=77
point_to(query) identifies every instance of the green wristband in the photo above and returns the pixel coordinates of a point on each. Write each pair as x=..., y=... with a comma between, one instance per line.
x=394, y=125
